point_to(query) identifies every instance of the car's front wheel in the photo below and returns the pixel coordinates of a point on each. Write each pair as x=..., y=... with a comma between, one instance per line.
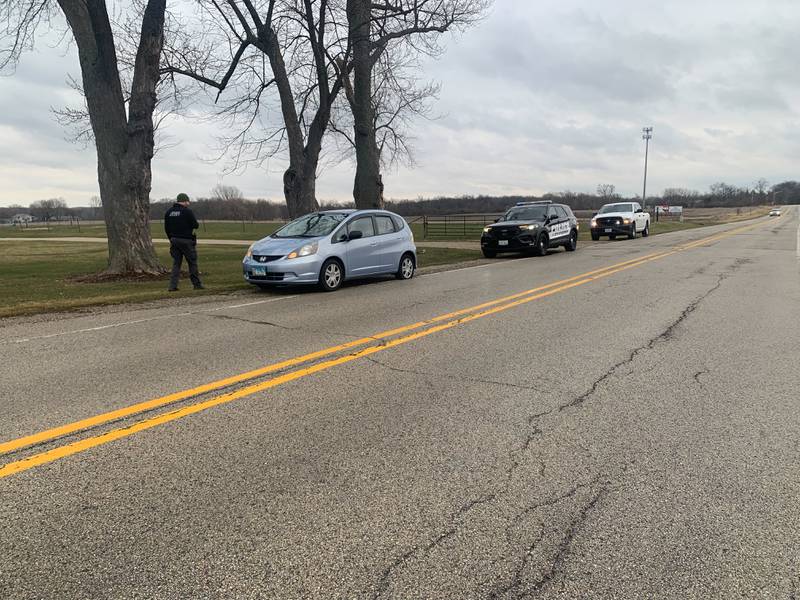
x=632, y=232
x=489, y=253
x=331, y=275
x=572, y=244
x=406, y=268
x=595, y=237
x=541, y=246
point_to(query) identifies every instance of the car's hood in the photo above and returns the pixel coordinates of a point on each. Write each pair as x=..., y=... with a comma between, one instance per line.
x=621, y=215
x=280, y=246
x=514, y=223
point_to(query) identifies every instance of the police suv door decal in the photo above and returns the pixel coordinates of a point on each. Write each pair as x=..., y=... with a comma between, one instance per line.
x=559, y=229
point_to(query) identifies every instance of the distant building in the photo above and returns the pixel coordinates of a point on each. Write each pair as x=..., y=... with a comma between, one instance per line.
x=22, y=219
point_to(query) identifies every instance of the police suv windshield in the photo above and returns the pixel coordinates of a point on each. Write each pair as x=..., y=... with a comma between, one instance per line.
x=526, y=213
x=313, y=225
x=611, y=208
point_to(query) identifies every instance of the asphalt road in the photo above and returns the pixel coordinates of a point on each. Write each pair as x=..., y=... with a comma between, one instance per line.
x=602, y=432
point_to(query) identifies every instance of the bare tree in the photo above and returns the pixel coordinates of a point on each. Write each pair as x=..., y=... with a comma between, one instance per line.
x=606, y=191
x=122, y=129
x=761, y=186
x=250, y=48
x=47, y=210
x=374, y=28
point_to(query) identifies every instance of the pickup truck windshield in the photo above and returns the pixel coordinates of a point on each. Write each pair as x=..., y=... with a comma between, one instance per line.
x=614, y=208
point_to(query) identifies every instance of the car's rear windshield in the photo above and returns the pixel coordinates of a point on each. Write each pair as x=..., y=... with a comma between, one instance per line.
x=526, y=213
x=611, y=208
x=313, y=225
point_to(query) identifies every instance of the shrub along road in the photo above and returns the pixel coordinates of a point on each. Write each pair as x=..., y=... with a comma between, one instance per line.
x=616, y=422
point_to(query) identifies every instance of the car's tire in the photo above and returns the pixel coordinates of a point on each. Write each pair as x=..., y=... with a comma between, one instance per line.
x=331, y=275
x=488, y=253
x=542, y=244
x=572, y=244
x=646, y=230
x=612, y=236
x=407, y=266
x=632, y=232
x=595, y=236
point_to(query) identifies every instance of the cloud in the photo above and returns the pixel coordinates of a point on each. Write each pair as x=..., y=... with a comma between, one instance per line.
x=541, y=96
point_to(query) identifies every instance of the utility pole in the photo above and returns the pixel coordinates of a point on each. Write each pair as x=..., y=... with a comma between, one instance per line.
x=647, y=134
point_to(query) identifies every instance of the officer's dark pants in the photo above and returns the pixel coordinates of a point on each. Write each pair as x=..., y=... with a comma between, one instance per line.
x=178, y=249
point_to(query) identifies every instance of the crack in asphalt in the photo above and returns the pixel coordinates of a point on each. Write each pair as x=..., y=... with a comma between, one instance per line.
x=449, y=376
x=400, y=561
x=253, y=321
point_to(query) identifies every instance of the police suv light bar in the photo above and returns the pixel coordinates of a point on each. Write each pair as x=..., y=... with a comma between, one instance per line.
x=533, y=202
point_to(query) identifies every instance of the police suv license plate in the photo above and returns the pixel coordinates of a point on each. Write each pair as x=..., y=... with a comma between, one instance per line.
x=259, y=271
x=608, y=230
x=502, y=242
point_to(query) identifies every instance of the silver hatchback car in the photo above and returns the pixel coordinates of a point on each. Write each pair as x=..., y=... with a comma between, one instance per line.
x=328, y=247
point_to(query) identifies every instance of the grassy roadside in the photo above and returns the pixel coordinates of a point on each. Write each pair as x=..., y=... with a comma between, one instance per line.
x=36, y=278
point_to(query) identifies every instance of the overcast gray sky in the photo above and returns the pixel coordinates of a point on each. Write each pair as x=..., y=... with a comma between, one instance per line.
x=544, y=95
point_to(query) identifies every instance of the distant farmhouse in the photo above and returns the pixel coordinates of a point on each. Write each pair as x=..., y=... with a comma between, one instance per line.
x=22, y=219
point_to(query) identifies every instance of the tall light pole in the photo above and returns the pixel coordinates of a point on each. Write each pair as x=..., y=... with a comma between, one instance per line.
x=647, y=134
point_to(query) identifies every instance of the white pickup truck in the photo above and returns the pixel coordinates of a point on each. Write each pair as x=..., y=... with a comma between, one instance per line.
x=620, y=218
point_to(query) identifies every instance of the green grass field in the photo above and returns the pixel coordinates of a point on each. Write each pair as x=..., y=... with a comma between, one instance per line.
x=37, y=278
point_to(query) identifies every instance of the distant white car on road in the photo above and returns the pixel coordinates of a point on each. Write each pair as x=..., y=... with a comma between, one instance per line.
x=775, y=212
x=620, y=218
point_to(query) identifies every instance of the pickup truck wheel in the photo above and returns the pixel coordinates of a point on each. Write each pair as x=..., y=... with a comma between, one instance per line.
x=632, y=232
x=572, y=244
x=646, y=230
x=595, y=236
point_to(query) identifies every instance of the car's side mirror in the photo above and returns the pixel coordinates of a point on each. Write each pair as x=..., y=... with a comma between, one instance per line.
x=355, y=235
x=594, y=214
x=497, y=220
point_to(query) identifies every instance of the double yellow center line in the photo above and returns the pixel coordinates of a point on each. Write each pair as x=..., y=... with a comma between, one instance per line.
x=379, y=342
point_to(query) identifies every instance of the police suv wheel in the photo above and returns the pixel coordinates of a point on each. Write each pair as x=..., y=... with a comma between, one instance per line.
x=572, y=244
x=612, y=236
x=595, y=236
x=331, y=275
x=406, y=268
x=541, y=246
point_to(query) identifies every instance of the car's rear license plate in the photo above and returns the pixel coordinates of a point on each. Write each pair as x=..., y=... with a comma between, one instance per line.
x=608, y=230
x=505, y=242
x=259, y=271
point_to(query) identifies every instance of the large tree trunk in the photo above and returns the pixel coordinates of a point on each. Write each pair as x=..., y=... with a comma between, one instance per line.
x=368, y=185
x=124, y=144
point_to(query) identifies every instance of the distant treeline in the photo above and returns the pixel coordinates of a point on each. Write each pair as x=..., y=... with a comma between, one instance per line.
x=239, y=209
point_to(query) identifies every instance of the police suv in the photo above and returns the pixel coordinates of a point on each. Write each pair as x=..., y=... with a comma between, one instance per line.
x=531, y=227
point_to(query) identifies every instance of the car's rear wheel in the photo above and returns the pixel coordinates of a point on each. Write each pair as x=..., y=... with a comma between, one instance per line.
x=632, y=232
x=572, y=244
x=407, y=267
x=541, y=246
x=646, y=230
x=489, y=253
x=331, y=275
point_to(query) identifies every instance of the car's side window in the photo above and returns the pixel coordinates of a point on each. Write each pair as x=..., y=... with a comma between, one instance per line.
x=399, y=223
x=362, y=224
x=562, y=214
x=385, y=224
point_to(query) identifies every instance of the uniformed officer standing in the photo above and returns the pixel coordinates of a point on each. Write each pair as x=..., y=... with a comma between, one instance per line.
x=179, y=225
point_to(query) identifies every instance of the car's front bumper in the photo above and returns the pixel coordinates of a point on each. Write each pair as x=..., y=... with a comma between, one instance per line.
x=611, y=229
x=304, y=270
x=519, y=243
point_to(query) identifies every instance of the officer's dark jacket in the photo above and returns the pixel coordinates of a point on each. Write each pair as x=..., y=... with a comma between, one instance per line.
x=180, y=222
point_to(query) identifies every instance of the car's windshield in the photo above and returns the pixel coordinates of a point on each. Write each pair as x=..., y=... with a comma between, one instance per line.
x=313, y=225
x=526, y=213
x=612, y=208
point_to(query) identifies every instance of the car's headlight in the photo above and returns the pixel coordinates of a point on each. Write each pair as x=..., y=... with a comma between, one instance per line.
x=486, y=229
x=626, y=221
x=532, y=226
x=249, y=253
x=306, y=250
x=594, y=222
